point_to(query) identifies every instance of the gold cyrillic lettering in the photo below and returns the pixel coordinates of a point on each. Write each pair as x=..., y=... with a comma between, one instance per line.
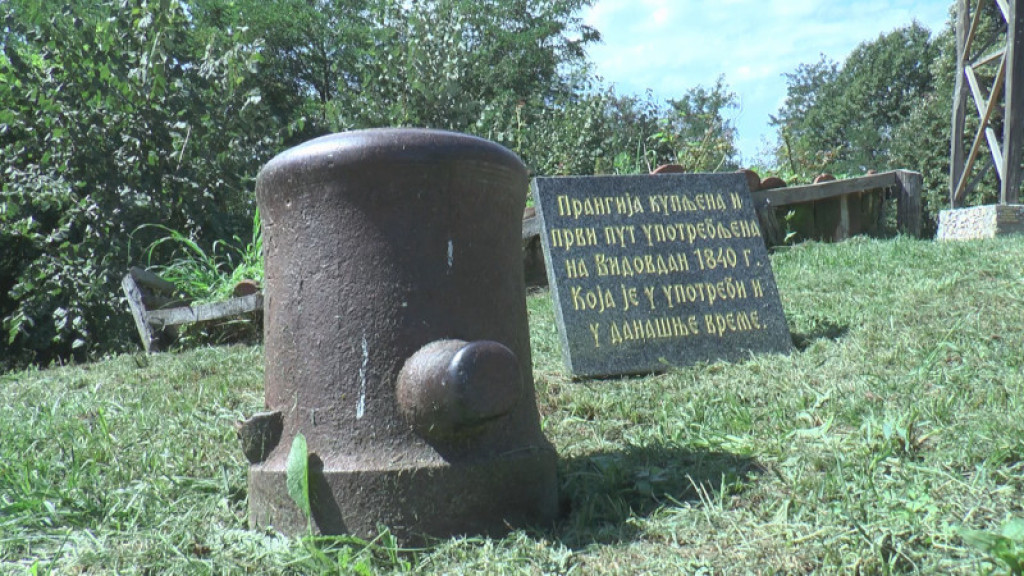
x=563, y=206
x=576, y=268
x=755, y=285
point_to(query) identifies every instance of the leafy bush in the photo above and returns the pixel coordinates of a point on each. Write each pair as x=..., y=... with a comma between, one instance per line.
x=115, y=113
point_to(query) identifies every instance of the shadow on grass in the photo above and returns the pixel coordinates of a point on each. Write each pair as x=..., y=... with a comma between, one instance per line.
x=821, y=329
x=600, y=492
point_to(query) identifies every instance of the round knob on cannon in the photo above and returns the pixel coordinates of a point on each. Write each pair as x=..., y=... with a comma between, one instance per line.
x=452, y=388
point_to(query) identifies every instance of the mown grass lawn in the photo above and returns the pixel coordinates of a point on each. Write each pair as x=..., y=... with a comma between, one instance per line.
x=897, y=423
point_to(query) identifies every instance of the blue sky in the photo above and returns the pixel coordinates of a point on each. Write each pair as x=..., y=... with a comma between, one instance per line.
x=669, y=46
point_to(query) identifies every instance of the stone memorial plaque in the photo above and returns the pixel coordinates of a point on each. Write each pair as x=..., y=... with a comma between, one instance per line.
x=650, y=272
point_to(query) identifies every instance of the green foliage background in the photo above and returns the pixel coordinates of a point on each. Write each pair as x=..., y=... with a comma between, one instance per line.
x=115, y=114
x=120, y=119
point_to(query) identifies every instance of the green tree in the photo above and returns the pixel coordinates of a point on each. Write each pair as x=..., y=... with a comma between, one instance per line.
x=572, y=134
x=309, y=53
x=696, y=132
x=801, y=120
x=843, y=119
x=445, y=63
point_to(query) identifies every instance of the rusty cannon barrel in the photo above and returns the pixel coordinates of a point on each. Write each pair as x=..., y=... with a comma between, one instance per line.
x=396, y=339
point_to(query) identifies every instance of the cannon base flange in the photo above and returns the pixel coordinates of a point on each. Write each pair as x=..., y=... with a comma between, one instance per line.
x=489, y=497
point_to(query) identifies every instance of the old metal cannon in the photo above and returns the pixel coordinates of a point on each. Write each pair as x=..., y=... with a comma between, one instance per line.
x=396, y=339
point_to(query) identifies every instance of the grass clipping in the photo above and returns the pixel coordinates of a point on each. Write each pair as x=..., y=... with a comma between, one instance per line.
x=298, y=478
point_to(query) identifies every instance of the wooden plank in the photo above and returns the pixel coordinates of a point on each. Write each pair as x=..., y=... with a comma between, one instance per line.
x=822, y=191
x=995, y=149
x=989, y=58
x=147, y=334
x=1013, y=126
x=206, y=312
x=160, y=302
x=958, y=120
x=908, y=202
x=531, y=227
x=972, y=30
x=978, y=97
x=843, y=233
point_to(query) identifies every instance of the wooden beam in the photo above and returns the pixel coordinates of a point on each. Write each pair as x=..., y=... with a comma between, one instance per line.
x=996, y=149
x=958, y=120
x=1006, y=10
x=843, y=231
x=531, y=227
x=206, y=312
x=971, y=29
x=147, y=334
x=992, y=57
x=1013, y=125
x=977, y=96
x=822, y=191
x=908, y=202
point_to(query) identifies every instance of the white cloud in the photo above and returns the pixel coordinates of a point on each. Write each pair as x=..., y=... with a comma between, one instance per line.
x=661, y=16
x=670, y=46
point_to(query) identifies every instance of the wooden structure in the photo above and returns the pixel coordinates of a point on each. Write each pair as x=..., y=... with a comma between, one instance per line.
x=157, y=312
x=904, y=185
x=973, y=55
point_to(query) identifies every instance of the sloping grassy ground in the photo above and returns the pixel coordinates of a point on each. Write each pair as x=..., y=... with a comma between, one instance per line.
x=897, y=421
